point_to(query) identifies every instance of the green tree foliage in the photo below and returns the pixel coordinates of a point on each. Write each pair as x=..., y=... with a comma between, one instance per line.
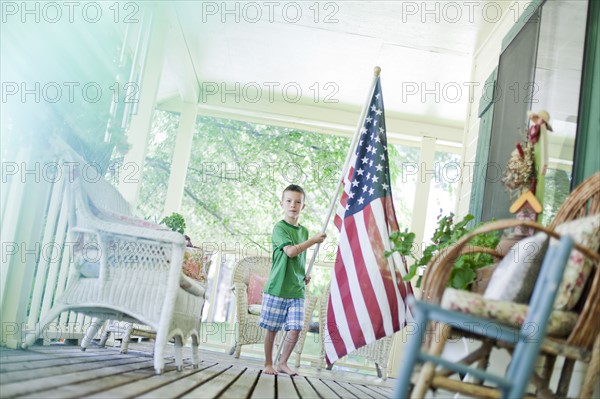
x=235, y=177
x=557, y=191
x=155, y=177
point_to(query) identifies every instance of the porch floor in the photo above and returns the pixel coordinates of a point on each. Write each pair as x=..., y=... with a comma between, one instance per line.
x=63, y=371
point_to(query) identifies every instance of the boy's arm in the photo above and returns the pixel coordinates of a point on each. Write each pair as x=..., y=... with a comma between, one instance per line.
x=294, y=250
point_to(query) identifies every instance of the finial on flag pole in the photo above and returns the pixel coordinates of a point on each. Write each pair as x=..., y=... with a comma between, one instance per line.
x=377, y=71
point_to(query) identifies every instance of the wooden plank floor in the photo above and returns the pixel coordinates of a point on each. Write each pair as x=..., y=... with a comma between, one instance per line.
x=61, y=371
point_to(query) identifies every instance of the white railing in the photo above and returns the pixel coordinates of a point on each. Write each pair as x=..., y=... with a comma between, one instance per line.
x=36, y=251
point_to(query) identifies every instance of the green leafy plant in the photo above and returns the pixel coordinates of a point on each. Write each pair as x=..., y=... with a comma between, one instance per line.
x=446, y=233
x=175, y=222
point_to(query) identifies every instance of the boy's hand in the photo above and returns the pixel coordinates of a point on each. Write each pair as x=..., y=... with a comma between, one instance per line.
x=307, y=279
x=319, y=238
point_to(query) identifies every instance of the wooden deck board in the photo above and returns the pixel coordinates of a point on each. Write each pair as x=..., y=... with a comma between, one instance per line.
x=142, y=386
x=385, y=391
x=323, y=389
x=62, y=371
x=285, y=387
x=305, y=390
x=66, y=375
x=32, y=364
x=342, y=388
x=6, y=362
x=97, y=385
x=184, y=385
x=265, y=387
x=218, y=385
x=366, y=392
x=242, y=387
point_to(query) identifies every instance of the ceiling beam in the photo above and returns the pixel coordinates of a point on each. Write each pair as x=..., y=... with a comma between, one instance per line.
x=329, y=120
x=180, y=61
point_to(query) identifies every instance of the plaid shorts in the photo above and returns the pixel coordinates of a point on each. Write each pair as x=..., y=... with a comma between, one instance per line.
x=276, y=311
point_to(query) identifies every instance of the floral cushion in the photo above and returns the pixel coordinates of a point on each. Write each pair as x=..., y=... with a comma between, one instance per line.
x=256, y=284
x=585, y=231
x=514, y=277
x=193, y=264
x=560, y=324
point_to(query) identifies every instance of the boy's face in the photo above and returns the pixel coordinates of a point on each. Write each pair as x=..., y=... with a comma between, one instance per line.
x=292, y=204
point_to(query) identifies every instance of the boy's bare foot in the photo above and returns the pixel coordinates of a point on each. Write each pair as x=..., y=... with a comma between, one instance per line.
x=283, y=368
x=270, y=370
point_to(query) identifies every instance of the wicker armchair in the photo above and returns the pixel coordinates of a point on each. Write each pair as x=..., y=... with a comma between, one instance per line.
x=248, y=331
x=125, y=269
x=581, y=341
x=377, y=352
x=196, y=267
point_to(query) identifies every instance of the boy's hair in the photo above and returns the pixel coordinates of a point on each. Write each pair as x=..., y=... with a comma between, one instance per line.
x=294, y=187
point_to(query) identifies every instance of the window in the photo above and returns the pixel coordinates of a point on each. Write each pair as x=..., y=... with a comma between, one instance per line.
x=557, y=88
x=540, y=69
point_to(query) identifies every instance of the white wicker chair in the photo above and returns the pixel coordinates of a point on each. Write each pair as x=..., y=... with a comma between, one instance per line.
x=128, y=331
x=378, y=351
x=248, y=331
x=136, y=276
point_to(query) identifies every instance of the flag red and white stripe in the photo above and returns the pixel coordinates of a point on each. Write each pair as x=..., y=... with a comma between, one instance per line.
x=368, y=294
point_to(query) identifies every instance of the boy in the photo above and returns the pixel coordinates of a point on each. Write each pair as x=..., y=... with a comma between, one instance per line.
x=283, y=296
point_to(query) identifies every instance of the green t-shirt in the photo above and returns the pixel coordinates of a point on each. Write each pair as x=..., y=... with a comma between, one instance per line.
x=287, y=274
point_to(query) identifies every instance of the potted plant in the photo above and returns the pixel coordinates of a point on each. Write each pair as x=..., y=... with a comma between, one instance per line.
x=194, y=265
x=446, y=233
x=175, y=222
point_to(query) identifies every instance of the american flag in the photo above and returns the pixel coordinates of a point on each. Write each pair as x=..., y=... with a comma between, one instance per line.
x=368, y=294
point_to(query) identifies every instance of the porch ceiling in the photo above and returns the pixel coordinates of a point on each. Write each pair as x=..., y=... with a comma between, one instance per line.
x=419, y=46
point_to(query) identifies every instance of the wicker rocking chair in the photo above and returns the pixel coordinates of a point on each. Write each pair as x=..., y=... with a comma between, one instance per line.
x=573, y=333
x=527, y=342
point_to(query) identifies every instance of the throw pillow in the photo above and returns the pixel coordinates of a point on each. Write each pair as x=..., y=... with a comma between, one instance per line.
x=515, y=276
x=256, y=284
x=584, y=231
x=192, y=264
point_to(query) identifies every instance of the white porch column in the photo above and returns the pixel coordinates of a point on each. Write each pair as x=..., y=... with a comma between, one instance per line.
x=181, y=158
x=21, y=233
x=425, y=173
x=141, y=122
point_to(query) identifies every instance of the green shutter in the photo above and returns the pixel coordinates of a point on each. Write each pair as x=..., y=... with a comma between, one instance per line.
x=486, y=114
x=587, y=144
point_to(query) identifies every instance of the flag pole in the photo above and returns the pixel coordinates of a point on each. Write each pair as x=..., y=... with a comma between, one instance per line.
x=359, y=126
x=361, y=120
